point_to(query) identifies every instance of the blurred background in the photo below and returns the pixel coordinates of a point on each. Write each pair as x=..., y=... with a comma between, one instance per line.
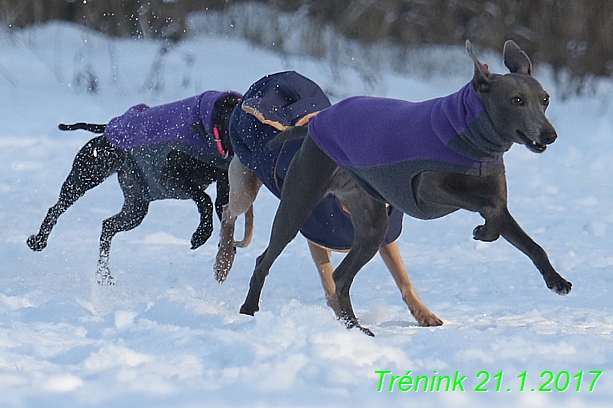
x=574, y=38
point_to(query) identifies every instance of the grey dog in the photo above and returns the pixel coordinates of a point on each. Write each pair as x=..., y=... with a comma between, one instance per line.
x=427, y=159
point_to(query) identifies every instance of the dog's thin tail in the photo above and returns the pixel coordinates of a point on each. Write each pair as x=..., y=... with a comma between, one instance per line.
x=248, y=230
x=295, y=133
x=90, y=127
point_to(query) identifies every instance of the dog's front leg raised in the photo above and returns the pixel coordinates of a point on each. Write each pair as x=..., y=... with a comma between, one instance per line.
x=488, y=196
x=187, y=174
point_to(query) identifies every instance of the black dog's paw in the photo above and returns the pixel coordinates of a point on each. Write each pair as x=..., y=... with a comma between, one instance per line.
x=485, y=234
x=36, y=243
x=560, y=285
x=200, y=237
x=105, y=280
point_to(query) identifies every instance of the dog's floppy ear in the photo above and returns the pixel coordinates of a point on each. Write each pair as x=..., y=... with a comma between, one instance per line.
x=482, y=77
x=515, y=59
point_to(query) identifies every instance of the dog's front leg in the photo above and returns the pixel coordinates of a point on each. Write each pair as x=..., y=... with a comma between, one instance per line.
x=186, y=174
x=243, y=190
x=488, y=196
x=205, y=228
x=513, y=233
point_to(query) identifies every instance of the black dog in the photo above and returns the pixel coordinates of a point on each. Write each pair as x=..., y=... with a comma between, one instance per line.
x=427, y=159
x=169, y=151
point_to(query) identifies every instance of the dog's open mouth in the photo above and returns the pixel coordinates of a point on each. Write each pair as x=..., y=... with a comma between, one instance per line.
x=531, y=144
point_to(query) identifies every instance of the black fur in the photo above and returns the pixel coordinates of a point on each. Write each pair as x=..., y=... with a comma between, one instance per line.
x=99, y=159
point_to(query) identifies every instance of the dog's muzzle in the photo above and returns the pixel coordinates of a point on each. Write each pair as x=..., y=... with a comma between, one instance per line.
x=546, y=138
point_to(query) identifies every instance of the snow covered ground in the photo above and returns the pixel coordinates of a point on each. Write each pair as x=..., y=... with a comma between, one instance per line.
x=167, y=335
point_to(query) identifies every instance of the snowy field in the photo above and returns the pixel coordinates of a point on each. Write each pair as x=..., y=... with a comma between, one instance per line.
x=167, y=335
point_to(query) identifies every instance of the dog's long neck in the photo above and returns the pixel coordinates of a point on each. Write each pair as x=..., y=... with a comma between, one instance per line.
x=477, y=139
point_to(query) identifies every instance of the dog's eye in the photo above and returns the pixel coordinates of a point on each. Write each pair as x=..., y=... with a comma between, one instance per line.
x=546, y=100
x=517, y=101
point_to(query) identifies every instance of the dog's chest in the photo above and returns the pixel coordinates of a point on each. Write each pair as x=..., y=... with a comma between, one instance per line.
x=385, y=143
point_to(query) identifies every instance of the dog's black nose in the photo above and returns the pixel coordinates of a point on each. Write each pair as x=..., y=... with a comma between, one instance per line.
x=548, y=136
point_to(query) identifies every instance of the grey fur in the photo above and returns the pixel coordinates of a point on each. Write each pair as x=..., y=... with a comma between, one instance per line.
x=516, y=104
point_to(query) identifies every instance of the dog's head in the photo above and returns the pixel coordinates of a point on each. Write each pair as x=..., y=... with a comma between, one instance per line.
x=221, y=120
x=515, y=102
x=224, y=107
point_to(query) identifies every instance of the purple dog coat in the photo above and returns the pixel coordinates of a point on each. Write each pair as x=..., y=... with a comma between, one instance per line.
x=150, y=133
x=386, y=143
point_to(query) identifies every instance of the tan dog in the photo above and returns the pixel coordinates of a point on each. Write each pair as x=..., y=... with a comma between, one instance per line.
x=253, y=116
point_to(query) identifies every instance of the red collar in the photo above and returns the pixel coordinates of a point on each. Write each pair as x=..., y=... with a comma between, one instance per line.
x=218, y=143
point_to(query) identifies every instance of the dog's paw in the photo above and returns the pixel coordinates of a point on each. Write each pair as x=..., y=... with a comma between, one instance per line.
x=221, y=272
x=200, y=237
x=105, y=280
x=485, y=234
x=366, y=331
x=104, y=277
x=249, y=309
x=36, y=243
x=427, y=319
x=560, y=285
x=223, y=263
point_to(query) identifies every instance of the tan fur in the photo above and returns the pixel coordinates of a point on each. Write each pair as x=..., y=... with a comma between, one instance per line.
x=244, y=187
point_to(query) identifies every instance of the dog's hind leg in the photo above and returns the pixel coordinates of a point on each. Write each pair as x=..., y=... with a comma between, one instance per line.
x=369, y=218
x=307, y=181
x=393, y=261
x=248, y=233
x=223, y=198
x=244, y=187
x=94, y=163
x=321, y=257
x=132, y=213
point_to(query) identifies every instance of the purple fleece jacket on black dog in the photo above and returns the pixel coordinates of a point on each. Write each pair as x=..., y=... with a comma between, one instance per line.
x=143, y=125
x=150, y=133
x=386, y=143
